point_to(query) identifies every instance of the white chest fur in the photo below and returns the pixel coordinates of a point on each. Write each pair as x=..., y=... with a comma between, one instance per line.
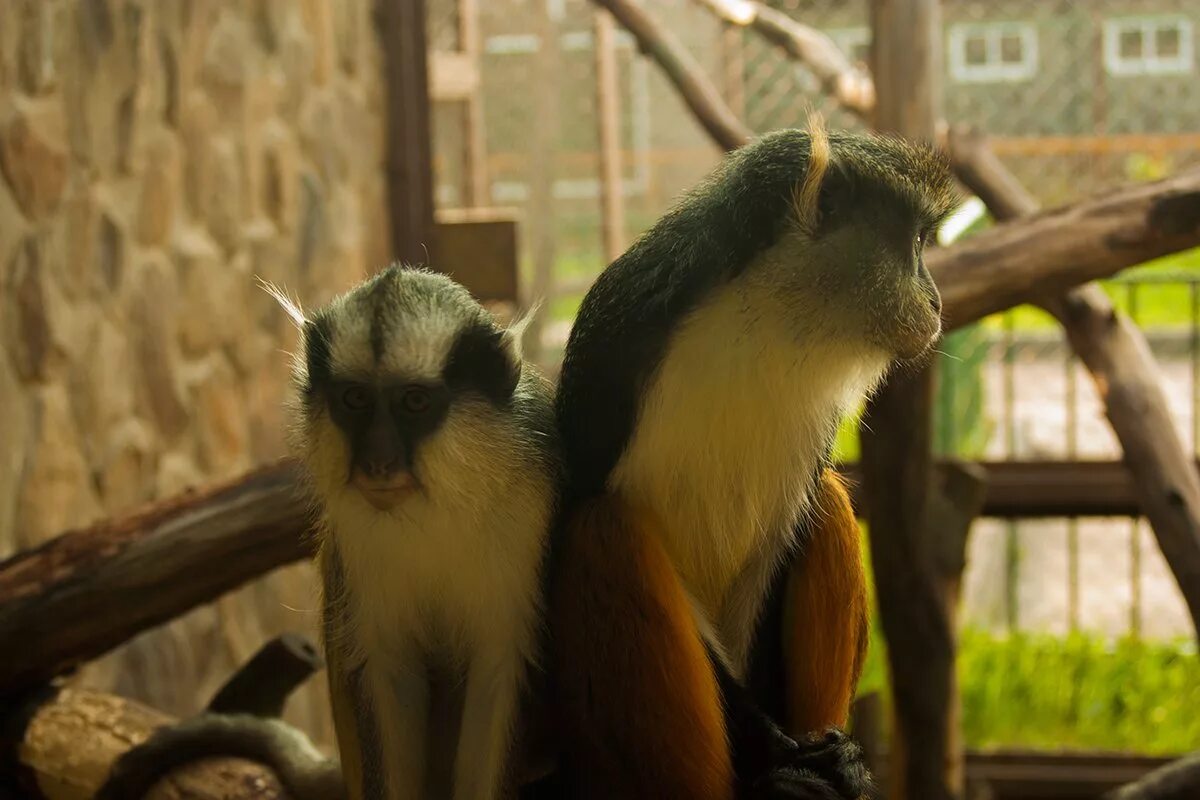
x=728, y=438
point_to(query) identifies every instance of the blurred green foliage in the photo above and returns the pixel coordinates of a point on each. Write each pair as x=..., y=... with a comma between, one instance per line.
x=1080, y=691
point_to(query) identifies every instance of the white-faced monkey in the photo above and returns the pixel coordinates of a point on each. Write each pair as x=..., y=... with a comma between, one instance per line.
x=431, y=447
x=707, y=592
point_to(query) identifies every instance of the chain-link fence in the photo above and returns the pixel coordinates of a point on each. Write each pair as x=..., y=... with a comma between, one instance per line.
x=1076, y=96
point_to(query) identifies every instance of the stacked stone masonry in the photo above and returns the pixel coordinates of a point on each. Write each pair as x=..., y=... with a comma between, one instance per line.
x=156, y=157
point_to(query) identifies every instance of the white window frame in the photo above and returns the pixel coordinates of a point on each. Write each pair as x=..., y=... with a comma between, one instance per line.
x=994, y=70
x=1148, y=63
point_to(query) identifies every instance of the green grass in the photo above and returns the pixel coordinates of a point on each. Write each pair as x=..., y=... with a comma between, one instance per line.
x=1079, y=692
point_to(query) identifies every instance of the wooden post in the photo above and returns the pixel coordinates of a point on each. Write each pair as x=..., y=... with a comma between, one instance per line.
x=475, y=174
x=897, y=460
x=612, y=198
x=401, y=29
x=543, y=150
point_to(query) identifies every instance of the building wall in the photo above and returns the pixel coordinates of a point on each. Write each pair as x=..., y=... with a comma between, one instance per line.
x=155, y=159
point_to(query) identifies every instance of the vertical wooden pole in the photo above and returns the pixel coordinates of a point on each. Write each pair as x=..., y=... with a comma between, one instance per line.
x=543, y=150
x=897, y=437
x=401, y=30
x=733, y=52
x=612, y=198
x=475, y=174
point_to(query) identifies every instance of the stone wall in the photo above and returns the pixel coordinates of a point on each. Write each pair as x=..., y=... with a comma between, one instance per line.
x=156, y=157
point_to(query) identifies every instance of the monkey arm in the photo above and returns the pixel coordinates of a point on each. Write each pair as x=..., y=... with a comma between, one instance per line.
x=812, y=637
x=825, y=620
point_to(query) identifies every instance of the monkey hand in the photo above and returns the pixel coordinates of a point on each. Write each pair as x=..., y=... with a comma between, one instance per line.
x=825, y=766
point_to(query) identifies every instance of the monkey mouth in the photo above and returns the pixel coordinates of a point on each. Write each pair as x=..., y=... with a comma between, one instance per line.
x=385, y=494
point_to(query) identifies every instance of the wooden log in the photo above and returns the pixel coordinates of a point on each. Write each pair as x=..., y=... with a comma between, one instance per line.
x=87, y=591
x=1046, y=254
x=65, y=742
x=1126, y=377
x=400, y=27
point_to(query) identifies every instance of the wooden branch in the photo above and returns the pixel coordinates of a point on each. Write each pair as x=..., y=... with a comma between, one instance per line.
x=656, y=41
x=83, y=593
x=1179, y=780
x=840, y=79
x=1126, y=376
x=1048, y=253
x=66, y=742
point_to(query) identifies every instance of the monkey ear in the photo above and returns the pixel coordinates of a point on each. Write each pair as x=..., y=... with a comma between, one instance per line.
x=289, y=306
x=514, y=335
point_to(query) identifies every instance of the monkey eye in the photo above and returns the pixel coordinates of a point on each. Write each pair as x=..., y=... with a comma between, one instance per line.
x=356, y=398
x=416, y=400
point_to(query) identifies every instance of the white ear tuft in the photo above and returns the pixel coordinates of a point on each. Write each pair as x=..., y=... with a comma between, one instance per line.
x=289, y=306
x=514, y=335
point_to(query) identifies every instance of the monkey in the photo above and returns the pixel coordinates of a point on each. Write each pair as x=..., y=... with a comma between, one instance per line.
x=430, y=448
x=707, y=598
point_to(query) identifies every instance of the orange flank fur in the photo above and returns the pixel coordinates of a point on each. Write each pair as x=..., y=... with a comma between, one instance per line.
x=637, y=692
x=826, y=621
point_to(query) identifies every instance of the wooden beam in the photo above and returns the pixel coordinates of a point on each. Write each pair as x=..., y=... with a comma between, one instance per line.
x=897, y=462
x=470, y=41
x=401, y=30
x=608, y=112
x=453, y=77
x=82, y=594
x=543, y=152
x=1126, y=376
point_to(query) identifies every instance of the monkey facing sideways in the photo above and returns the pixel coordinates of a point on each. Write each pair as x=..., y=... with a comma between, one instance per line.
x=708, y=592
x=706, y=599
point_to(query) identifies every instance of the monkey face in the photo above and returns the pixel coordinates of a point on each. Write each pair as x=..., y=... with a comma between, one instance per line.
x=864, y=262
x=383, y=423
x=397, y=379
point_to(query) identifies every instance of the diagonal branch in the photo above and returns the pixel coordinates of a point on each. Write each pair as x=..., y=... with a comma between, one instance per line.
x=852, y=88
x=683, y=71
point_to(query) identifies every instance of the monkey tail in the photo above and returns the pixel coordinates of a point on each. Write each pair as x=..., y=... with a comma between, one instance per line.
x=304, y=772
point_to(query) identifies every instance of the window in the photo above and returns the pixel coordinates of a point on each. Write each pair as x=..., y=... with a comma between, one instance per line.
x=855, y=43
x=1148, y=45
x=993, y=51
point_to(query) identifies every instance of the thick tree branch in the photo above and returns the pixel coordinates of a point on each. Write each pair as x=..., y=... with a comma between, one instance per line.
x=85, y=592
x=1048, y=253
x=65, y=743
x=1126, y=376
